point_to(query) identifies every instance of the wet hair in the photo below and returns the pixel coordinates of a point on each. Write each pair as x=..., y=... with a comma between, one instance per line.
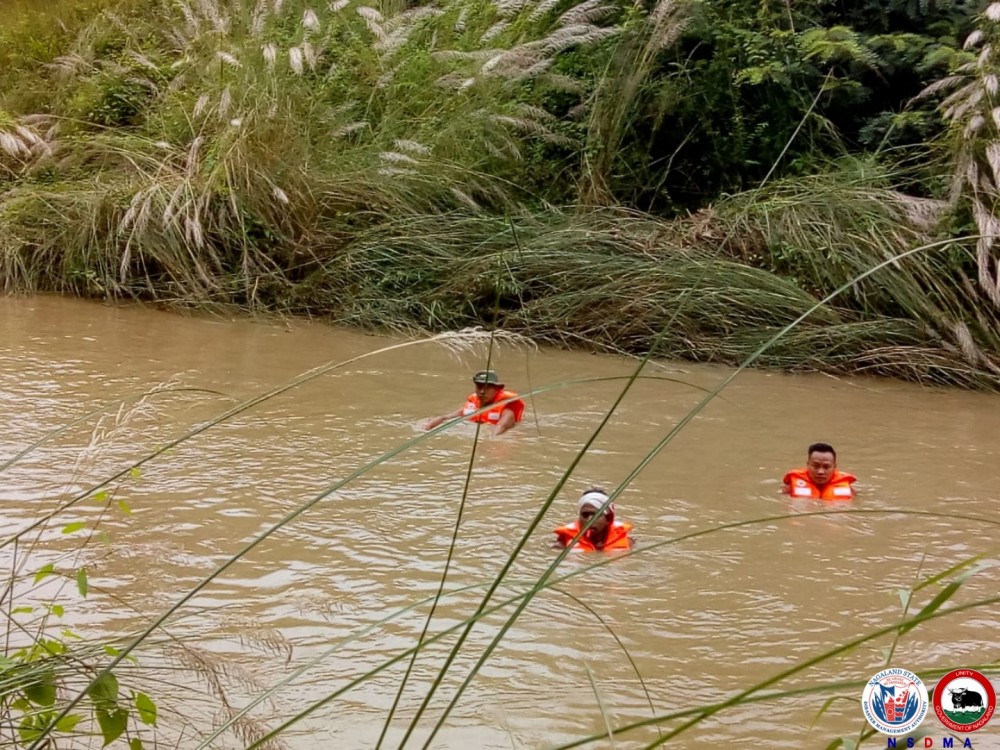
x=821, y=448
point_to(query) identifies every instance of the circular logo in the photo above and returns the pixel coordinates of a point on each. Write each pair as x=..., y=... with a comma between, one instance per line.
x=964, y=700
x=895, y=701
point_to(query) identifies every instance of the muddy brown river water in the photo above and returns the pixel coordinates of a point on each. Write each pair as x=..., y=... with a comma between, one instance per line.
x=702, y=618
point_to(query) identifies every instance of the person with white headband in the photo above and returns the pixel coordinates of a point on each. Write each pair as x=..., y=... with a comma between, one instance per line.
x=603, y=532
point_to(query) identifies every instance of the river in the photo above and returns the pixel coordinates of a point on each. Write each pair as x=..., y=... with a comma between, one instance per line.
x=702, y=618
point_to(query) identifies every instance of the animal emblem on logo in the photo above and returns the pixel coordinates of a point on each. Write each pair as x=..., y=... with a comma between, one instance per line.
x=964, y=700
x=895, y=701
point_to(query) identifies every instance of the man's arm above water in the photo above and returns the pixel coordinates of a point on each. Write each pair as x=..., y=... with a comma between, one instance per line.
x=432, y=423
x=506, y=421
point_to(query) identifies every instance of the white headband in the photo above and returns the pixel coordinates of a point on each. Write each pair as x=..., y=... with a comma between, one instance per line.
x=595, y=500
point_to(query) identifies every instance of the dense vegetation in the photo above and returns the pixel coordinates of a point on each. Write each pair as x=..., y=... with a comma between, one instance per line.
x=722, y=166
x=688, y=178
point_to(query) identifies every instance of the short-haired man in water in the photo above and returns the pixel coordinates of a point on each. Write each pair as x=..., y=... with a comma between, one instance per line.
x=819, y=479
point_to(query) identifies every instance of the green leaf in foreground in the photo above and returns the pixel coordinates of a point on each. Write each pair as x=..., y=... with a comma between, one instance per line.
x=28, y=729
x=135, y=744
x=124, y=508
x=147, y=709
x=104, y=692
x=826, y=707
x=81, y=581
x=44, y=572
x=112, y=724
x=943, y=596
x=42, y=693
x=68, y=723
x=71, y=528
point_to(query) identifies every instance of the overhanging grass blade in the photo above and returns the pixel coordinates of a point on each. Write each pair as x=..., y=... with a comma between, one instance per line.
x=826, y=707
x=949, y=571
x=533, y=524
x=600, y=705
x=780, y=695
x=635, y=667
x=447, y=564
x=942, y=596
x=285, y=520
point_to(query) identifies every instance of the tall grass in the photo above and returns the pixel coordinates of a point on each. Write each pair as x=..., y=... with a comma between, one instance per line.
x=611, y=279
x=971, y=109
x=612, y=107
x=273, y=155
x=854, y=220
x=221, y=144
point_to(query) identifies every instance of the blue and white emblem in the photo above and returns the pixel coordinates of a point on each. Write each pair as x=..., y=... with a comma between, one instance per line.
x=895, y=701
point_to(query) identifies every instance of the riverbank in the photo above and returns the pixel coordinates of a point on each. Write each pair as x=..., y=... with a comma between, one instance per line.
x=435, y=168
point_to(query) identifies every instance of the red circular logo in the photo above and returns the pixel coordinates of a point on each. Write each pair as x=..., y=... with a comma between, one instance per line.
x=964, y=700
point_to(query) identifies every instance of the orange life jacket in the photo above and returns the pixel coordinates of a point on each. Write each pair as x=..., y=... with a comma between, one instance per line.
x=492, y=415
x=838, y=488
x=617, y=537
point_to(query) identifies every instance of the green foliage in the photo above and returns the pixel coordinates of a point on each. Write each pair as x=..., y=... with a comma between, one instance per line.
x=81, y=581
x=108, y=101
x=751, y=85
x=45, y=662
x=225, y=153
x=146, y=708
x=32, y=678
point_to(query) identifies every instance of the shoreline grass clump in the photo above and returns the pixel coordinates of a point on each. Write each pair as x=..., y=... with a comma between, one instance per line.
x=611, y=280
x=215, y=151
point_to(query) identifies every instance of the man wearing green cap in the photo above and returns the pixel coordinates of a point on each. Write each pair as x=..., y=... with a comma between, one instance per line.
x=505, y=411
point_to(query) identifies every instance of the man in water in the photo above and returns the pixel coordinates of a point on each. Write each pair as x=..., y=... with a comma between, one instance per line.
x=503, y=413
x=605, y=533
x=819, y=478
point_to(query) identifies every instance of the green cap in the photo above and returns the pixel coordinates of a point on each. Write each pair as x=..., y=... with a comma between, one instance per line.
x=486, y=377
